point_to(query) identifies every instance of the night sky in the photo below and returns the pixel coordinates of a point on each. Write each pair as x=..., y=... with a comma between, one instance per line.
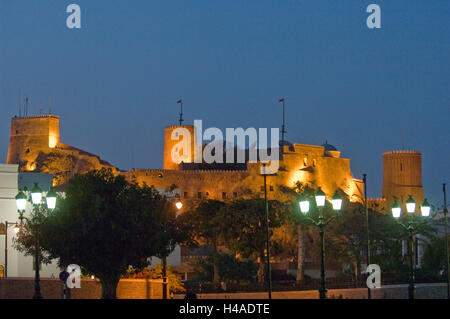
x=115, y=82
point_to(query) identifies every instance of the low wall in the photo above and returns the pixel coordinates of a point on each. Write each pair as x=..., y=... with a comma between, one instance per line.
x=23, y=288
x=423, y=291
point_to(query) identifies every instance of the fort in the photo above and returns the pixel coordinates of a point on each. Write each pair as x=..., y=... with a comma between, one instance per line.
x=36, y=146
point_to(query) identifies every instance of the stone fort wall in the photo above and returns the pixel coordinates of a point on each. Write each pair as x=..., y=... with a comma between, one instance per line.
x=35, y=145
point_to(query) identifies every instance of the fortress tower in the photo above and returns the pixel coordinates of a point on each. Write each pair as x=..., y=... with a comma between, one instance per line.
x=29, y=136
x=173, y=138
x=402, y=176
x=35, y=145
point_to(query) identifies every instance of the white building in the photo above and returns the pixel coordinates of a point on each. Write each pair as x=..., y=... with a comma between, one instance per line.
x=11, y=181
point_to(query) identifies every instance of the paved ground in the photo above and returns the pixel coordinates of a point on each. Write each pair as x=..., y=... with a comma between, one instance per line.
x=423, y=291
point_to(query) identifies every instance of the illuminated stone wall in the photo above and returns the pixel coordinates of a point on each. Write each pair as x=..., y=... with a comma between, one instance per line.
x=35, y=146
x=306, y=163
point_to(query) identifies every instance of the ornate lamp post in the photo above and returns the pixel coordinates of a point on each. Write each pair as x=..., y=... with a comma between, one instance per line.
x=411, y=228
x=321, y=223
x=266, y=204
x=178, y=205
x=446, y=241
x=36, y=200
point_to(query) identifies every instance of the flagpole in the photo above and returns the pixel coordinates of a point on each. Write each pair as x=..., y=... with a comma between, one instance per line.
x=283, y=127
x=181, y=112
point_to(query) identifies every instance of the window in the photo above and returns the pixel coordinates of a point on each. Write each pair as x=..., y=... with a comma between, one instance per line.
x=185, y=194
x=271, y=188
x=207, y=194
x=401, y=167
x=262, y=188
x=224, y=195
x=235, y=195
x=199, y=195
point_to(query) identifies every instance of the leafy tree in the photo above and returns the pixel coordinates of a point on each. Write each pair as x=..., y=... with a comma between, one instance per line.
x=434, y=257
x=244, y=222
x=231, y=269
x=205, y=221
x=104, y=224
x=296, y=225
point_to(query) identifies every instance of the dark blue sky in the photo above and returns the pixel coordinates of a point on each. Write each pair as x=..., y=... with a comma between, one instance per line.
x=116, y=81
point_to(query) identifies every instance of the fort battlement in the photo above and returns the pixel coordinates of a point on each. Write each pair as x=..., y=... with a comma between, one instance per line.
x=35, y=117
x=403, y=152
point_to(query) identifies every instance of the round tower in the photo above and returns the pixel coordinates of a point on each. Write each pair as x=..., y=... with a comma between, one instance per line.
x=29, y=136
x=402, y=177
x=179, y=142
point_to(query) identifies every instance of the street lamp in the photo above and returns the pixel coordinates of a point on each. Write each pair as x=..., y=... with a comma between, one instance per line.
x=36, y=200
x=269, y=271
x=425, y=208
x=178, y=205
x=321, y=223
x=411, y=228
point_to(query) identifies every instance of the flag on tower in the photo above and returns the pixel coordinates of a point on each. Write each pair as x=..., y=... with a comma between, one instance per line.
x=179, y=101
x=282, y=100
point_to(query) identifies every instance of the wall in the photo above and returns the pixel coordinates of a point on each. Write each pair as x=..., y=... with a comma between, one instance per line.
x=23, y=288
x=10, y=181
x=306, y=163
x=424, y=291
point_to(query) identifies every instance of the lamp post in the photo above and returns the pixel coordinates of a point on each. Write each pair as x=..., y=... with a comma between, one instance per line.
x=411, y=228
x=36, y=200
x=321, y=223
x=369, y=296
x=178, y=205
x=446, y=241
x=269, y=274
x=16, y=230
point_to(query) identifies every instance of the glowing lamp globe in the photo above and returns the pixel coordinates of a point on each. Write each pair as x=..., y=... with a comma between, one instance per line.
x=425, y=208
x=16, y=229
x=21, y=201
x=304, y=205
x=51, y=199
x=320, y=198
x=410, y=205
x=396, y=210
x=336, y=201
x=179, y=205
x=36, y=194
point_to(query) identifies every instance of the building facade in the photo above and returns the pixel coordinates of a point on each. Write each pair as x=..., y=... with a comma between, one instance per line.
x=11, y=180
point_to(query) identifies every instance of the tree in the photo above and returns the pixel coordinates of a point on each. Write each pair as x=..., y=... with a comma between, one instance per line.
x=104, y=224
x=298, y=221
x=434, y=257
x=206, y=223
x=244, y=228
